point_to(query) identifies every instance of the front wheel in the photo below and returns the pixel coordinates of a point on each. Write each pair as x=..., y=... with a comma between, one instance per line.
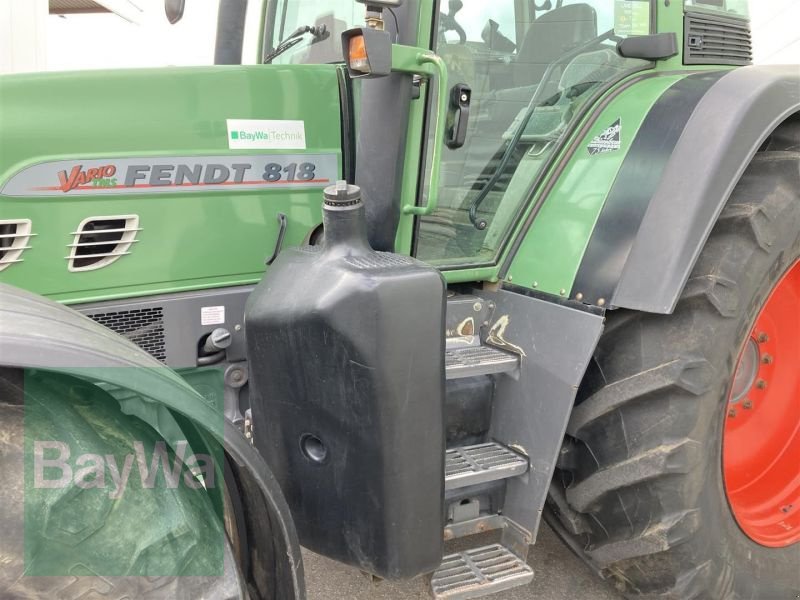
x=680, y=477
x=88, y=531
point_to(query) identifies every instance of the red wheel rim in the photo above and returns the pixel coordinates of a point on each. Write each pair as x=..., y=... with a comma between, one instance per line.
x=761, y=448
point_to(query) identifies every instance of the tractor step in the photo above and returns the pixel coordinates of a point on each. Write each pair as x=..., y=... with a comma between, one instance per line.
x=470, y=465
x=471, y=361
x=479, y=572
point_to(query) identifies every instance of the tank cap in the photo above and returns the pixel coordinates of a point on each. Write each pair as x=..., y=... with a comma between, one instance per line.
x=342, y=194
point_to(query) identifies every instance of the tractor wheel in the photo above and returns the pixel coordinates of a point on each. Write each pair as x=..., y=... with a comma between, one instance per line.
x=85, y=543
x=680, y=475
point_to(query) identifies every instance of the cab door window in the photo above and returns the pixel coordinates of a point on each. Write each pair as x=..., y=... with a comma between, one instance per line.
x=530, y=71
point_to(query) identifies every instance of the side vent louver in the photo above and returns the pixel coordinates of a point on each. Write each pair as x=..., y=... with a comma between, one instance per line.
x=15, y=237
x=716, y=40
x=99, y=241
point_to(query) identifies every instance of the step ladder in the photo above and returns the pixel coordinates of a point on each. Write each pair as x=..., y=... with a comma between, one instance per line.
x=496, y=567
x=471, y=361
x=478, y=572
x=471, y=465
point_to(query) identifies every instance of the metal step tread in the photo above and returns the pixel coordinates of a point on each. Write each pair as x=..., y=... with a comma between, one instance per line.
x=470, y=465
x=478, y=572
x=478, y=360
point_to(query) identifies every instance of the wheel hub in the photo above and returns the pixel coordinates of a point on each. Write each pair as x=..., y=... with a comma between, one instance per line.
x=761, y=447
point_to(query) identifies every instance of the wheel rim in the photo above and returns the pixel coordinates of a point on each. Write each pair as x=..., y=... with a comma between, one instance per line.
x=761, y=447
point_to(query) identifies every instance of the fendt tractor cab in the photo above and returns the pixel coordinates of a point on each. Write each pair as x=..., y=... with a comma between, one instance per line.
x=422, y=270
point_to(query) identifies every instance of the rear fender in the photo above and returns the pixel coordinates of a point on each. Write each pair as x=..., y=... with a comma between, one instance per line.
x=725, y=130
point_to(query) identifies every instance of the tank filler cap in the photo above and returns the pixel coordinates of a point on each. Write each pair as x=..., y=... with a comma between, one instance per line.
x=342, y=195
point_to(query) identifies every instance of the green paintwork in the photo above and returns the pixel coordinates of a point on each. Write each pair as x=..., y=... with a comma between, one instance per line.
x=202, y=240
x=189, y=240
x=412, y=60
x=553, y=248
x=415, y=137
x=669, y=17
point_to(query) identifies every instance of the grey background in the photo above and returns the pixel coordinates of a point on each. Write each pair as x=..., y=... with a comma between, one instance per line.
x=559, y=575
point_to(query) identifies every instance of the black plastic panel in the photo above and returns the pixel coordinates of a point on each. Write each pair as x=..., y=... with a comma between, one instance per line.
x=346, y=352
x=716, y=40
x=468, y=410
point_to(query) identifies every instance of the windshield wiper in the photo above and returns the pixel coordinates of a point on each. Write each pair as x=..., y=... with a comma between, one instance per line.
x=318, y=33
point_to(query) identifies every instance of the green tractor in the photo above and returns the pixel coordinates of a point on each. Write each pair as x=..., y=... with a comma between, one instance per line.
x=526, y=260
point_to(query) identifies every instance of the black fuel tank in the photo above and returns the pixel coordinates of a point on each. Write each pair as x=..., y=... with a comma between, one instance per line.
x=346, y=354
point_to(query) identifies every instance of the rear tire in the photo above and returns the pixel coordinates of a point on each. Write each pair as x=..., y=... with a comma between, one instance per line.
x=640, y=491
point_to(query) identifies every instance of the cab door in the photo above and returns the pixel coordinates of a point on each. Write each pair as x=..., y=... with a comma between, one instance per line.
x=534, y=73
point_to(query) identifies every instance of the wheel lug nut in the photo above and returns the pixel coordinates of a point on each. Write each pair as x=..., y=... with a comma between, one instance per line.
x=747, y=404
x=761, y=384
x=763, y=338
x=767, y=359
x=731, y=413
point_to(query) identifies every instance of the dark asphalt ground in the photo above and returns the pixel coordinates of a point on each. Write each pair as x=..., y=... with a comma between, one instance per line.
x=559, y=575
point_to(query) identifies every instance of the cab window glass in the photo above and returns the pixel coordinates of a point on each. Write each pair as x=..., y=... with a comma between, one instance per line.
x=531, y=66
x=604, y=10
x=337, y=16
x=473, y=18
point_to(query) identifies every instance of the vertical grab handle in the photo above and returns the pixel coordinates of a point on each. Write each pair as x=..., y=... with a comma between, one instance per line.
x=439, y=69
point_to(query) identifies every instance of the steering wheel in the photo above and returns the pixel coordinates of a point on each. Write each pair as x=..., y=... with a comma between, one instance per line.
x=449, y=23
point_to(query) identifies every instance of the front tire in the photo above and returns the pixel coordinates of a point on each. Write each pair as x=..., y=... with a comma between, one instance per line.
x=164, y=544
x=641, y=488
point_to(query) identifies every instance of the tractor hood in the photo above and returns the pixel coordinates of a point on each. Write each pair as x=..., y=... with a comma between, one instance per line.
x=134, y=182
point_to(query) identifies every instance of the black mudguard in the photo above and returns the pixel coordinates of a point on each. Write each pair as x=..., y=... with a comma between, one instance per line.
x=727, y=127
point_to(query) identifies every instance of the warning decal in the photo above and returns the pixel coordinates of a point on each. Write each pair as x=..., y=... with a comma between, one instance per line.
x=608, y=141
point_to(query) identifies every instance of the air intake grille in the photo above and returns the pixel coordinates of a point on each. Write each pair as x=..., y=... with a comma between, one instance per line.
x=15, y=237
x=99, y=241
x=716, y=40
x=143, y=326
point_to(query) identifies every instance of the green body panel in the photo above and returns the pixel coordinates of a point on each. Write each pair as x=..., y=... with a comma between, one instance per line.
x=190, y=239
x=669, y=17
x=197, y=240
x=553, y=248
x=415, y=139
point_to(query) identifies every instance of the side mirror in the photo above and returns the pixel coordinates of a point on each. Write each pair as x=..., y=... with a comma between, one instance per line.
x=174, y=10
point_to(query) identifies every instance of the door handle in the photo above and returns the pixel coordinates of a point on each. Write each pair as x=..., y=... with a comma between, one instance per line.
x=458, y=119
x=432, y=65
